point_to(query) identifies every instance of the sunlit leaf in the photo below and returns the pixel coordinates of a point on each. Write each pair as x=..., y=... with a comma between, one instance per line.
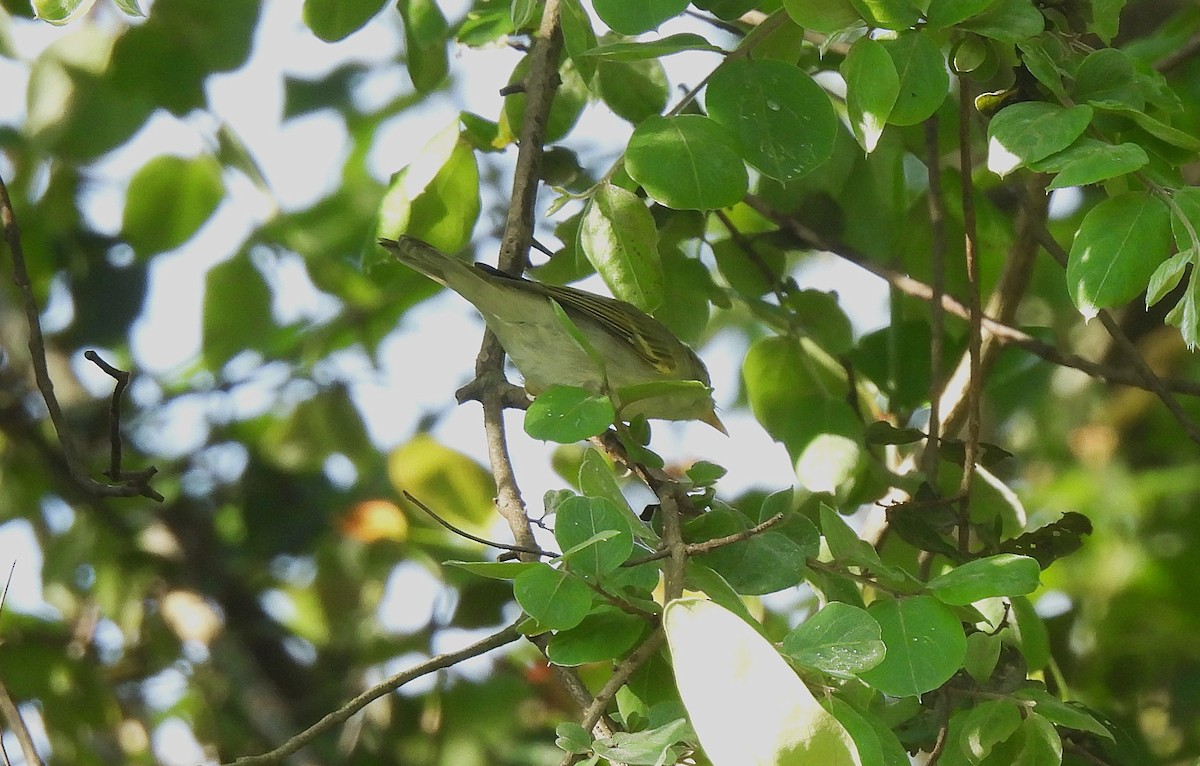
x=749, y=709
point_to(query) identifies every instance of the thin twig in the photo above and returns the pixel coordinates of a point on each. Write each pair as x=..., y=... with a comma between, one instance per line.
x=339, y=716
x=16, y=724
x=673, y=545
x=1129, y=349
x=136, y=485
x=537, y=552
x=696, y=549
x=619, y=676
x=975, y=306
x=1002, y=332
x=937, y=317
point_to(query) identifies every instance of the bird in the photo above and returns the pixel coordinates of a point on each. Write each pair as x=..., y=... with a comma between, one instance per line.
x=633, y=347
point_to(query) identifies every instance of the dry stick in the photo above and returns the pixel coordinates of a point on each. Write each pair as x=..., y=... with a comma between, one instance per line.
x=440, y=662
x=974, y=303
x=41, y=373
x=1000, y=331
x=1152, y=380
x=937, y=317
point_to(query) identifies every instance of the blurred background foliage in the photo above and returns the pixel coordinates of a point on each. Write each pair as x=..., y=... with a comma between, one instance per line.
x=283, y=572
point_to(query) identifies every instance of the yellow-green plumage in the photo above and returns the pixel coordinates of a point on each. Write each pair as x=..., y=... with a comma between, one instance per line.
x=635, y=347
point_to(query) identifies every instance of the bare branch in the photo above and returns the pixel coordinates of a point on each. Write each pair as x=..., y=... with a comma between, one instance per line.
x=17, y=725
x=1148, y=376
x=1002, y=332
x=128, y=487
x=538, y=552
x=696, y=549
x=619, y=676
x=342, y=714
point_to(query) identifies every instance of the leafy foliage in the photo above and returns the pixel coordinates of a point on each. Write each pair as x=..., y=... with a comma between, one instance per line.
x=1008, y=585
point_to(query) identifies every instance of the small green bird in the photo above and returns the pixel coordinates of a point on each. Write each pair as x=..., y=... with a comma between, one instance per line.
x=635, y=348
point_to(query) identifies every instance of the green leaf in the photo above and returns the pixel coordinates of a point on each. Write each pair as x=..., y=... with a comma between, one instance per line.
x=654, y=49
x=61, y=12
x=572, y=737
x=889, y=14
x=777, y=372
x=1004, y=574
x=1062, y=713
x=840, y=640
x=579, y=519
x=436, y=198
x=556, y=599
x=866, y=740
x=632, y=17
x=596, y=479
x=425, y=37
x=605, y=634
x=1088, y=161
x=1044, y=65
x=237, y=310
x=634, y=90
x=872, y=87
x=130, y=8
x=925, y=645
x=168, y=200
x=578, y=36
x=764, y=563
x=824, y=16
x=522, y=12
x=687, y=162
x=844, y=544
x=618, y=236
x=1105, y=18
x=567, y=414
x=1166, y=277
x=495, y=570
x=987, y=724
x=1108, y=75
x=1040, y=743
x=1009, y=21
x=1154, y=127
x=819, y=316
x=1118, y=246
x=704, y=474
x=1030, y=633
x=333, y=20
x=649, y=747
x=946, y=13
x=1027, y=132
x=782, y=119
x=748, y=708
x=983, y=653
x=924, y=82
x=883, y=432
x=570, y=97
x=827, y=446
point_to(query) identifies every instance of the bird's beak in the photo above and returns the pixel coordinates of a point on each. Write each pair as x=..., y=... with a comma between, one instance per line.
x=714, y=421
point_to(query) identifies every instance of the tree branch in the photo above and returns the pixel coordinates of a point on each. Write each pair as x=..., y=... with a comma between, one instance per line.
x=1148, y=376
x=339, y=716
x=1002, y=332
x=134, y=485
